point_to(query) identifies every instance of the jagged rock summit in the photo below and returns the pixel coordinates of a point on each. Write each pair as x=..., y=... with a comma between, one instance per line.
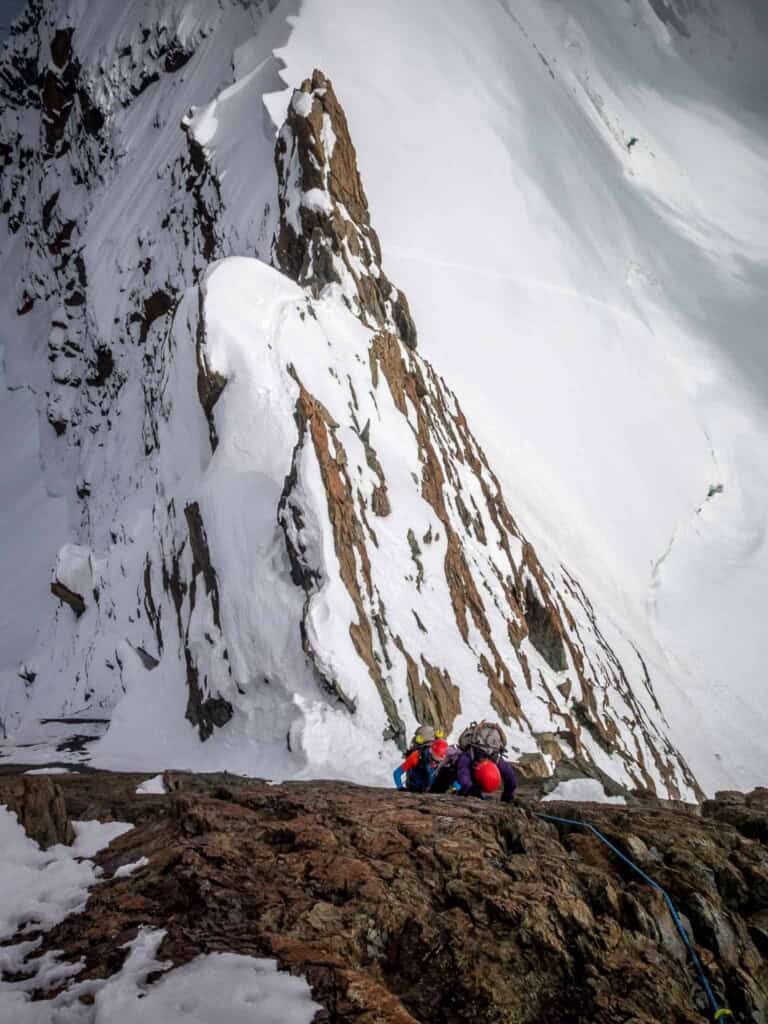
x=325, y=234
x=296, y=548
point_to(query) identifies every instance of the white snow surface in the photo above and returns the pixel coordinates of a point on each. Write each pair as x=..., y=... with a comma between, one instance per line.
x=582, y=791
x=154, y=785
x=40, y=887
x=225, y=987
x=126, y=870
x=74, y=569
x=598, y=309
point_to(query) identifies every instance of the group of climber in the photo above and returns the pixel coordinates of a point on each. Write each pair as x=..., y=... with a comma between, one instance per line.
x=474, y=766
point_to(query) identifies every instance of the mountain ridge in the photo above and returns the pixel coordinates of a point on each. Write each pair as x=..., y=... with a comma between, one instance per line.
x=419, y=595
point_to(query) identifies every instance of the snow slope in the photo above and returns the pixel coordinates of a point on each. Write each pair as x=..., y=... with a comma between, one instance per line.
x=601, y=310
x=597, y=308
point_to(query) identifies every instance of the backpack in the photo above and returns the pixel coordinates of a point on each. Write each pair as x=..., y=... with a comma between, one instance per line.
x=420, y=776
x=487, y=738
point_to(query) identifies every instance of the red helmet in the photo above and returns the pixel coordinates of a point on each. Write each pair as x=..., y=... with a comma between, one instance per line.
x=487, y=776
x=439, y=749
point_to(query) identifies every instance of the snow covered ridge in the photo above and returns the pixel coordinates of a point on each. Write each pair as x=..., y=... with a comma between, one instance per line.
x=295, y=545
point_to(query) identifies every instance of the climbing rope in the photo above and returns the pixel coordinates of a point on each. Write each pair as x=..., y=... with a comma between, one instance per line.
x=718, y=1012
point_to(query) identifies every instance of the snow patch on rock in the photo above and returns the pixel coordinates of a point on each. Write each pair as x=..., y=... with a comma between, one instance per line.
x=126, y=870
x=39, y=888
x=155, y=785
x=582, y=791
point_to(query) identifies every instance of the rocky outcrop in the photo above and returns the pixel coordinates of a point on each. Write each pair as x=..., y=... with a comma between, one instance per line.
x=42, y=811
x=209, y=383
x=189, y=580
x=67, y=596
x=400, y=908
x=746, y=812
x=325, y=235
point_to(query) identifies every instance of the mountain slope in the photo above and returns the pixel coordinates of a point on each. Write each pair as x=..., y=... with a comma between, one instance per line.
x=598, y=307
x=284, y=541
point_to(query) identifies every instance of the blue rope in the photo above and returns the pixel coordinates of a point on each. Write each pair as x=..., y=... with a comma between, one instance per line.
x=718, y=1012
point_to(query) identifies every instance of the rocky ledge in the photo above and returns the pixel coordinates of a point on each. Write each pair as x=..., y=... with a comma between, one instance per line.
x=401, y=908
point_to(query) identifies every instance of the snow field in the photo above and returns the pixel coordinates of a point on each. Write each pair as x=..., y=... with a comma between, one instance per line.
x=598, y=310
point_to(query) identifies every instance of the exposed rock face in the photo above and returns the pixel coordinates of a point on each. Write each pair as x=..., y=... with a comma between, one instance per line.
x=519, y=624
x=42, y=812
x=400, y=908
x=439, y=608
x=749, y=814
x=325, y=234
x=62, y=113
x=188, y=580
x=204, y=710
x=75, y=601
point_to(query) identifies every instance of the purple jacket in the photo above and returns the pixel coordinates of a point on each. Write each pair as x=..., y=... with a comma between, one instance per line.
x=468, y=787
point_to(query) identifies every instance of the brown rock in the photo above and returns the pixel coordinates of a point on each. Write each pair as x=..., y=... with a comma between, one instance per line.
x=320, y=243
x=42, y=812
x=758, y=798
x=75, y=601
x=398, y=908
x=532, y=766
x=730, y=796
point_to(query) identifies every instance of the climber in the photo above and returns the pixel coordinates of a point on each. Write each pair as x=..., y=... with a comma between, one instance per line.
x=477, y=767
x=423, y=759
